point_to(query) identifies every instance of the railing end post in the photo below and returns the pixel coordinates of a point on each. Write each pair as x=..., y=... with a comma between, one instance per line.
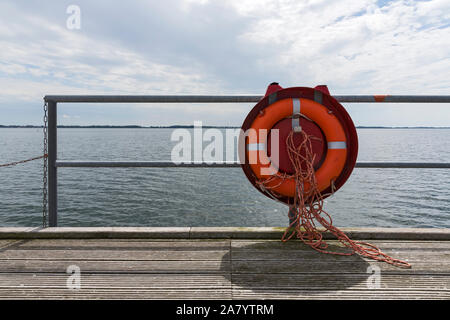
x=52, y=169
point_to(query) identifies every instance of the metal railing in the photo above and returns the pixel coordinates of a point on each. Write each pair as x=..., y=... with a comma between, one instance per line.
x=54, y=163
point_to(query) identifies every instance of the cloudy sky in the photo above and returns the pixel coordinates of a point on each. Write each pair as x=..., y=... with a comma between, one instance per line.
x=221, y=47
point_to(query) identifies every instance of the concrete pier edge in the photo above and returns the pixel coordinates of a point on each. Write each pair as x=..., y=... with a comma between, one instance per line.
x=193, y=233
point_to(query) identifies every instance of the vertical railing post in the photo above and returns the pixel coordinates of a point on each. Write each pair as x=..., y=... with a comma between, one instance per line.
x=52, y=174
x=292, y=215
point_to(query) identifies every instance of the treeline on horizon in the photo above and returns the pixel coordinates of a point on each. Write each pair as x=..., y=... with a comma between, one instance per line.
x=188, y=127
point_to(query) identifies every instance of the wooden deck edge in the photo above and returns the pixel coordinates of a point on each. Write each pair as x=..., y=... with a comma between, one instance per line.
x=212, y=233
x=95, y=233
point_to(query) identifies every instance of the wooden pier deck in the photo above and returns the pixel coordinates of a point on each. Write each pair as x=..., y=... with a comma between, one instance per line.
x=216, y=263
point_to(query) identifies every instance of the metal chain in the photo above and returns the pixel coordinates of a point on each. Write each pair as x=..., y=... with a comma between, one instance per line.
x=22, y=161
x=44, y=178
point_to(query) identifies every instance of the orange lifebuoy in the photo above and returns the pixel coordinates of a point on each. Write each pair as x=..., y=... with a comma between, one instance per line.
x=338, y=133
x=334, y=133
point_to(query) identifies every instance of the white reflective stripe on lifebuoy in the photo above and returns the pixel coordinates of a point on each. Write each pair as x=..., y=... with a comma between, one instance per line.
x=337, y=145
x=296, y=111
x=256, y=146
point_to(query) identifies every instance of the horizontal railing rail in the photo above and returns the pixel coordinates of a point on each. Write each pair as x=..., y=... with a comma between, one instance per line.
x=236, y=98
x=168, y=164
x=54, y=163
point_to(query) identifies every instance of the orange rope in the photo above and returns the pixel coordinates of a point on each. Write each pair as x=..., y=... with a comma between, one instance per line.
x=308, y=208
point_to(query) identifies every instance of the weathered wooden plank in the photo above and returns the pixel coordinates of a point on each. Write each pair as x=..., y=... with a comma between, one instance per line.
x=253, y=245
x=116, y=281
x=298, y=251
x=353, y=233
x=125, y=244
x=339, y=294
x=313, y=255
x=341, y=281
x=344, y=266
x=110, y=294
x=110, y=255
x=241, y=245
x=113, y=250
x=243, y=281
x=6, y=243
x=181, y=266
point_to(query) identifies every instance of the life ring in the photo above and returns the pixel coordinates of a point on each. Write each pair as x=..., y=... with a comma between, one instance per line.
x=319, y=115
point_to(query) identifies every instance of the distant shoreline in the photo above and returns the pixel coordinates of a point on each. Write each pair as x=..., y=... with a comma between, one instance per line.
x=184, y=127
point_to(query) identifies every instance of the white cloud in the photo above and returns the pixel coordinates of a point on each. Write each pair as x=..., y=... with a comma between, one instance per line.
x=216, y=47
x=56, y=58
x=355, y=45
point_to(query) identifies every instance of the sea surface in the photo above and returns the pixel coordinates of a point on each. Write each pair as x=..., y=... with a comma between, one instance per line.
x=214, y=196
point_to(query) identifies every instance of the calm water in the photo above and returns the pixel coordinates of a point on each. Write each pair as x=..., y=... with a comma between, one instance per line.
x=215, y=197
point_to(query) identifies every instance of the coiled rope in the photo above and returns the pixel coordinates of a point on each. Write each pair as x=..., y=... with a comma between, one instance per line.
x=307, y=209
